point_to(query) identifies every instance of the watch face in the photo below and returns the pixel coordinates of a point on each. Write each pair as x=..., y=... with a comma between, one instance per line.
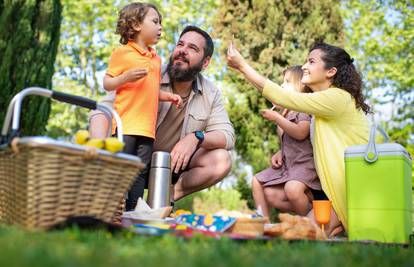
x=199, y=135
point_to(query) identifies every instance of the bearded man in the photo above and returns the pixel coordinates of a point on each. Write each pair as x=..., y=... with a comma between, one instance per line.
x=199, y=135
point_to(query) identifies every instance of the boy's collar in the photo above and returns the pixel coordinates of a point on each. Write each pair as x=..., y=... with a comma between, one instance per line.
x=141, y=50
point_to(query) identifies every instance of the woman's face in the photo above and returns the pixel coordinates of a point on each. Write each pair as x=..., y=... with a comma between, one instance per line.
x=314, y=73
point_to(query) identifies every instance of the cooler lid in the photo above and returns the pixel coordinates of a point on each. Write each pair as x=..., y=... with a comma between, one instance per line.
x=385, y=149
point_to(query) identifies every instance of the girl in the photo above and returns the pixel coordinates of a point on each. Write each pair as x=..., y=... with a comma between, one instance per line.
x=339, y=113
x=286, y=184
x=134, y=71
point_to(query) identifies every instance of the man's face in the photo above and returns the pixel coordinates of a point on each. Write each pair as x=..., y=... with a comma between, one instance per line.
x=187, y=59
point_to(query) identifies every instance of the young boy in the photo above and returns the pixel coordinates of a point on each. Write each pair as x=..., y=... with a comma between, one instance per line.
x=134, y=71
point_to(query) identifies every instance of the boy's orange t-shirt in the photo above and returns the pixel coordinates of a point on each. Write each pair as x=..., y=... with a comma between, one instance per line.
x=136, y=102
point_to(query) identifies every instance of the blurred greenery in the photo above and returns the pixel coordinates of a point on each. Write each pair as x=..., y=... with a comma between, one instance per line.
x=272, y=35
x=29, y=38
x=212, y=200
x=74, y=247
x=380, y=36
x=87, y=40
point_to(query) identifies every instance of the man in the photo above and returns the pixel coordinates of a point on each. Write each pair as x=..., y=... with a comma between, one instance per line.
x=198, y=135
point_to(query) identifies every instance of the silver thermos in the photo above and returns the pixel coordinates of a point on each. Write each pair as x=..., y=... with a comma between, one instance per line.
x=159, y=180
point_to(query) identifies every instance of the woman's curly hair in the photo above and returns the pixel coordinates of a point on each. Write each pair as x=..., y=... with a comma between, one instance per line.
x=130, y=16
x=347, y=77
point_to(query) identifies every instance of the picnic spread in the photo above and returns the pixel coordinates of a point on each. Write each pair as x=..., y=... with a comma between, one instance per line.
x=224, y=223
x=43, y=182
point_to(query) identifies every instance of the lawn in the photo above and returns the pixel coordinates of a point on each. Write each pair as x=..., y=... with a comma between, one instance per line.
x=74, y=247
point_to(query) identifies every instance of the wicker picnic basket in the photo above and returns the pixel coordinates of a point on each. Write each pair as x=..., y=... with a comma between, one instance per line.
x=44, y=181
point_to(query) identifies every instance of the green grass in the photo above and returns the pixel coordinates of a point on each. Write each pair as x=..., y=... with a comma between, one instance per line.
x=74, y=247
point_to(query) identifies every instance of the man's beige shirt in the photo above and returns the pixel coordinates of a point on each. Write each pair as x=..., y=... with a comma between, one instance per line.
x=204, y=112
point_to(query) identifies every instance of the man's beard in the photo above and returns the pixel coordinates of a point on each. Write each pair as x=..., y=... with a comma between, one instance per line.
x=177, y=74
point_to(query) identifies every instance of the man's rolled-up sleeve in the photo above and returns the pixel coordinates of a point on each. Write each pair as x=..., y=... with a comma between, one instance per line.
x=108, y=100
x=219, y=121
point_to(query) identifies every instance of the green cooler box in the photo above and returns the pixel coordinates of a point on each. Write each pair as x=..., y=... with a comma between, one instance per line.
x=379, y=191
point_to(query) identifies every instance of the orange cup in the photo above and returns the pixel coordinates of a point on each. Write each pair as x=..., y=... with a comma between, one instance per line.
x=322, y=211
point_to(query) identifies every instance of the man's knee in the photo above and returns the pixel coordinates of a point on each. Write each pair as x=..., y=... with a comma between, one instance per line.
x=222, y=162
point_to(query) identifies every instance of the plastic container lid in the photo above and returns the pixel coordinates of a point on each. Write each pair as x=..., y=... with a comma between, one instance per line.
x=385, y=149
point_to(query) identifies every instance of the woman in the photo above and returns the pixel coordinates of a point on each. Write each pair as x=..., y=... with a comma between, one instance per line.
x=338, y=107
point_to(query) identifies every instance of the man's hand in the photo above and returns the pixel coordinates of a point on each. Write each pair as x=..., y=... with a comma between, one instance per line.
x=277, y=160
x=133, y=75
x=269, y=115
x=182, y=151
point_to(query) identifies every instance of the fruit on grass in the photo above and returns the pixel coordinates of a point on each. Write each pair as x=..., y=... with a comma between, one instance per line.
x=95, y=142
x=81, y=137
x=113, y=145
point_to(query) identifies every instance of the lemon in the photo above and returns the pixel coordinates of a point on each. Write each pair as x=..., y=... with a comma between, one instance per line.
x=95, y=142
x=113, y=145
x=81, y=137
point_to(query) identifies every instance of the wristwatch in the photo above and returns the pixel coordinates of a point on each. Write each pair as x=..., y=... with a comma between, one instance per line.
x=200, y=136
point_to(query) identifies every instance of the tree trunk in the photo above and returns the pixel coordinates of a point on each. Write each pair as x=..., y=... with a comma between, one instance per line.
x=29, y=37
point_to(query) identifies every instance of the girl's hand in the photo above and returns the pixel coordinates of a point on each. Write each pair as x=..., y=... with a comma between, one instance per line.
x=276, y=107
x=234, y=58
x=269, y=115
x=176, y=100
x=277, y=160
x=133, y=75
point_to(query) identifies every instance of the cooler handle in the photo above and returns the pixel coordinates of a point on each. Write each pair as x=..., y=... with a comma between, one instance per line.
x=371, y=154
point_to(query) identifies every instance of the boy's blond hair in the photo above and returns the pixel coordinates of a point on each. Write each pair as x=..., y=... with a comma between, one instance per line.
x=132, y=15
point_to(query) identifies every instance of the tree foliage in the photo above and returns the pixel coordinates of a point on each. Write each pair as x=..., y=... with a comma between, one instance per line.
x=272, y=35
x=29, y=37
x=380, y=35
x=88, y=38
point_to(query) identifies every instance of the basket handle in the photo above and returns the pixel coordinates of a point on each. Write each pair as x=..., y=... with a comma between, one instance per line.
x=371, y=154
x=15, y=106
x=74, y=99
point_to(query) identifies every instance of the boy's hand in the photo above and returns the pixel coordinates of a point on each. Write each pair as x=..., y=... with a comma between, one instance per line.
x=133, y=75
x=176, y=100
x=269, y=115
x=277, y=160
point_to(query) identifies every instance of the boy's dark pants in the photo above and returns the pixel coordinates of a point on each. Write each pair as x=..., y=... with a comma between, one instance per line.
x=142, y=147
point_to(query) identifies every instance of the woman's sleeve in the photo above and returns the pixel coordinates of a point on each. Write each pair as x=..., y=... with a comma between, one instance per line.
x=327, y=103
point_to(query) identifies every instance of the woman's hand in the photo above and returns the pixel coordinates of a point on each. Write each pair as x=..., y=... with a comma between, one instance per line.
x=236, y=61
x=269, y=114
x=277, y=160
x=234, y=58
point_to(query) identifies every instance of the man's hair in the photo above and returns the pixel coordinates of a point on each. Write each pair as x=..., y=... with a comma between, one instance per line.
x=209, y=49
x=130, y=16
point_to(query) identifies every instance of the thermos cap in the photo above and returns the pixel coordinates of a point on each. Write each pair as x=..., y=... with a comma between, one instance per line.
x=161, y=159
